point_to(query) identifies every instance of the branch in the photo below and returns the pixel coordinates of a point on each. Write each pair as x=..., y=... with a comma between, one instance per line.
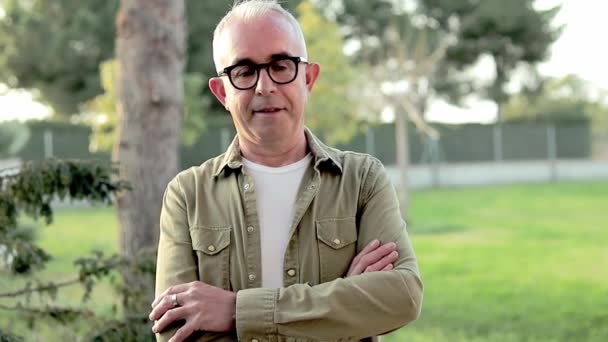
x=418, y=119
x=40, y=288
x=21, y=308
x=56, y=313
x=91, y=268
x=435, y=57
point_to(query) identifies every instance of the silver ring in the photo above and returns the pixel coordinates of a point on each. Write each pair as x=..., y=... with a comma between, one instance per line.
x=174, y=300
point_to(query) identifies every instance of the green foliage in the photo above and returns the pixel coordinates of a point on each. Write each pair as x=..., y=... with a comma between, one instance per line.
x=74, y=37
x=331, y=107
x=6, y=337
x=133, y=329
x=560, y=99
x=512, y=33
x=195, y=107
x=19, y=253
x=56, y=47
x=103, y=119
x=30, y=190
x=13, y=136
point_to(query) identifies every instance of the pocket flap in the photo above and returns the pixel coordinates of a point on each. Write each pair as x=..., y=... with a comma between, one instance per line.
x=210, y=240
x=338, y=232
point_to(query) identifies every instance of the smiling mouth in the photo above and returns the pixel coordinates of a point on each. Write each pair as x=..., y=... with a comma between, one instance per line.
x=267, y=110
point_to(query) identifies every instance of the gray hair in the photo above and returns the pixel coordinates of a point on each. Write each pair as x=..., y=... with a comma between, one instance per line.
x=248, y=10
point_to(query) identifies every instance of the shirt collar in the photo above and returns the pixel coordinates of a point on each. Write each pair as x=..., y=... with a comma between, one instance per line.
x=322, y=154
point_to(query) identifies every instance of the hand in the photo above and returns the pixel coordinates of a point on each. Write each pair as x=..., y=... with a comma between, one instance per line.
x=374, y=257
x=202, y=306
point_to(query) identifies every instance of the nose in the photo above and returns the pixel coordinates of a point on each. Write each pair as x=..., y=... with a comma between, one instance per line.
x=265, y=84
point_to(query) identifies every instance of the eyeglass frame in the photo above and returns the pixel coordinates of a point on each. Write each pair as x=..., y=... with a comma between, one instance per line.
x=295, y=59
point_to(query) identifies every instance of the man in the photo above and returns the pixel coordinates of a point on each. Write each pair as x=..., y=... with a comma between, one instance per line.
x=278, y=238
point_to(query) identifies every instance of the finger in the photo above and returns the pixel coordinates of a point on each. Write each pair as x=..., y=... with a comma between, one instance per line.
x=375, y=256
x=370, y=247
x=167, y=303
x=168, y=318
x=371, y=258
x=380, y=264
x=182, y=333
x=171, y=290
x=387, y=267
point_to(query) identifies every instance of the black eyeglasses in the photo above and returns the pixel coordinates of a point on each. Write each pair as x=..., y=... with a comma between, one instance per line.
x=245, y=76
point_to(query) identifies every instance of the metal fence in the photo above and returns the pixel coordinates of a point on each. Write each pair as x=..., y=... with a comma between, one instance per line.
x=457, y=144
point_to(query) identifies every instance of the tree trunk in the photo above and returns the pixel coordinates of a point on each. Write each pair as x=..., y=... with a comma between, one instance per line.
x=402, y=149
x=150, y=50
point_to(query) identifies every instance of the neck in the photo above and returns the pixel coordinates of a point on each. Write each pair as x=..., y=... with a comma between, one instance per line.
x=275, y=154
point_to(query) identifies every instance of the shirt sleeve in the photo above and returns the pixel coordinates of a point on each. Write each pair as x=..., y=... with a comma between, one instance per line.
x=176, y=263
x=357, y=307
x=176, y=260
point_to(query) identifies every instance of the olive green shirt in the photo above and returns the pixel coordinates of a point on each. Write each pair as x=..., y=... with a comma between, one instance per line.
x=209, y=231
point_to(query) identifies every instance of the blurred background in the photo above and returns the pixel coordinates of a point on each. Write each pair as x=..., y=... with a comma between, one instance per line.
x=491, y=118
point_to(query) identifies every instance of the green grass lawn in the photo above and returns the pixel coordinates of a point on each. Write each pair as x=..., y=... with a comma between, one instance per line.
x=514, y=263
x=74, y=233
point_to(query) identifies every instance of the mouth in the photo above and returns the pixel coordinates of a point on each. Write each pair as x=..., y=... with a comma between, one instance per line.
x=267, y=110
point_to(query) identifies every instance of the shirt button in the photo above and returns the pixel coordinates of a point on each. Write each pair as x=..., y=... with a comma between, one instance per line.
x=246, y=186
x=312, y=187
x=252, y=277
x=250, y=229
x=211, y=248
x=291, y=272
x=337, y=241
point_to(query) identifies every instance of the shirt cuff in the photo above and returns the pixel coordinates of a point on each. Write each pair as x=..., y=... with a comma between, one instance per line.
x=255, y=313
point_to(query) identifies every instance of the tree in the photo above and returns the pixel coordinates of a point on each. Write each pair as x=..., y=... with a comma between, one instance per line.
x=332, y=107
x=513, y=33
x=74, y=37
x=150, y=51
x=55, y=47
x=402, y=59
x=417, y=41
x=100, y=112
x=564, y=99
x=30, y=190
x=412, y=57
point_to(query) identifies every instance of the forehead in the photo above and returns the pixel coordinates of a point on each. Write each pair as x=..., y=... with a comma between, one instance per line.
x=258, y=39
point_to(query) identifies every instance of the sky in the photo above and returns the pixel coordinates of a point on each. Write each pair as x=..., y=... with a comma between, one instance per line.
x=578, y=51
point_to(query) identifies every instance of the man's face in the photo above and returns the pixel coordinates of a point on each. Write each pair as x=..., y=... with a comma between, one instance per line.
x=269, y=112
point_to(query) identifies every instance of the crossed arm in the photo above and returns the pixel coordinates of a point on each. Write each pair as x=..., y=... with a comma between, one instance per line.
x=191, y=302
x=384, y=300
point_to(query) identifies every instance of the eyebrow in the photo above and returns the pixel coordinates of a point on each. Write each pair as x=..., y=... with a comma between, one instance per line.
x=279, y=55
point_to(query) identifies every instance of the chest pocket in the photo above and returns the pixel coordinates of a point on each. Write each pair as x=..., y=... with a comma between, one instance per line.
x=211, y=245
x=336, y=240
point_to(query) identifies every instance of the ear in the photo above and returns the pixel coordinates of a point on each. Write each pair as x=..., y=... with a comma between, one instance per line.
x=312, y=73
x=216, y=84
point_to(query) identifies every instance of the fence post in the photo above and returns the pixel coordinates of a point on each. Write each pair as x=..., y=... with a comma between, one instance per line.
x=552, y=150
x=48, y=144
x=225, y=138
x=497, y=136
x=370, y=141
x=435, y=162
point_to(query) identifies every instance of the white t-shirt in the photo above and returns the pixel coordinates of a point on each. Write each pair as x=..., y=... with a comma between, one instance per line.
x=276, y=191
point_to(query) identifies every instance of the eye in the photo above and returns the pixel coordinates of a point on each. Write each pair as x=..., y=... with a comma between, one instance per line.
x=281, y=65
x=243, y=71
